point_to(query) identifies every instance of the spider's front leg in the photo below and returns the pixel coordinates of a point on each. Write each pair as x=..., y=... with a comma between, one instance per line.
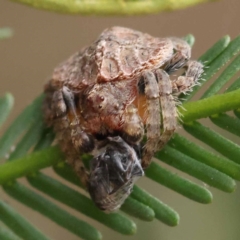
x=62, y=114
x=82, y=141
x=168, y=108
x=160, y=127
x=133, y=127
x=190, y=79
x=180, y=59
x=153, y=120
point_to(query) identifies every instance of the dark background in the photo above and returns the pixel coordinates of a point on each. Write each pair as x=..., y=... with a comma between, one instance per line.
x=43, y=39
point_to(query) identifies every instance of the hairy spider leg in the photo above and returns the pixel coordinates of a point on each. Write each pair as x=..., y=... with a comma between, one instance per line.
x=168, y=107
x=62, y=115
x=133, y=127
x=153, y=120
x=190, y=79
x=194, y=69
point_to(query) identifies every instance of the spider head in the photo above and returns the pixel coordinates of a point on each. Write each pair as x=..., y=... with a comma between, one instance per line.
x=113, y=173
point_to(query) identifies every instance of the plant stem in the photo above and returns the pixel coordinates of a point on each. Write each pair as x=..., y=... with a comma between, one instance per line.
x=225, y=76
x=110, y=7
x=29, y=164
x=200, y=154
x=163, y=212
x=227, y=122
x=226, y=55
x=209, y=106
x=81, y=203
x=178, y=184
x=20, y=124
x=6, y=234
x=207, y=174
x=6, y=104
x=213, y=139
x=214, y=51
x=18, y=224
x=52, y=211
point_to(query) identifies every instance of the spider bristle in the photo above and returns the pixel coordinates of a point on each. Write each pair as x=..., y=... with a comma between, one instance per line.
x=183, y=108
x=180, y=115
x=182, y=99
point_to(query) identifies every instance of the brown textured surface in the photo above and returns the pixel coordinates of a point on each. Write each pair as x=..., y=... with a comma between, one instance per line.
x=44, y=39
x=91, y=95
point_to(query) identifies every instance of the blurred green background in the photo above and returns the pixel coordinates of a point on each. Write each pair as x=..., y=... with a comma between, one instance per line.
x=42, y=39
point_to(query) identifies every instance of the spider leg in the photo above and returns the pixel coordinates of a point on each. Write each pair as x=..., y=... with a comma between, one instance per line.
x=53, y=105
x=190, y=79
x=153, y=118
x=75, y=161
x=62, y=114
x=194, y=69
x=133, y=127
x=80, y=139
x=168, y=107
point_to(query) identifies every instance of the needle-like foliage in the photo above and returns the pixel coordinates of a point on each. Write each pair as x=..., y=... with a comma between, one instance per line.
x=33, y=152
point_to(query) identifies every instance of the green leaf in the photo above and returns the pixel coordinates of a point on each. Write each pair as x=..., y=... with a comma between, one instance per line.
x=18, y=224
x=226, y=75
x=163, y=212
x=223, y=120
x=178, y=184
x=214, y=51
x=197, y=152
x=29, y=164
x=226, y=122
x=226, y=54
x=234, y=86
x=226, y=147
x=194, y=168
x=109, y=7
x=81, y=203
x=30, y=138
x=19, y=126
x=208, y=106
x=52, y=211
x=137, y=209
x=6, y=104
x=6, y=234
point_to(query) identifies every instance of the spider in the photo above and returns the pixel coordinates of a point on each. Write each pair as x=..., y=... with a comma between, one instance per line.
x=106, y=97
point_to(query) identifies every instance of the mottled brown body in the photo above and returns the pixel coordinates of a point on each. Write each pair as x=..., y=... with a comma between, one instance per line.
x=114, y=88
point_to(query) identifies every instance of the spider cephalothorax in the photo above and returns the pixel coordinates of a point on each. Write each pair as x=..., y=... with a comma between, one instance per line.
x=105, y=98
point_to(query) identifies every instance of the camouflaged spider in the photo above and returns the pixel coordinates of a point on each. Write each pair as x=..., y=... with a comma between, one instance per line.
x=105, y=98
